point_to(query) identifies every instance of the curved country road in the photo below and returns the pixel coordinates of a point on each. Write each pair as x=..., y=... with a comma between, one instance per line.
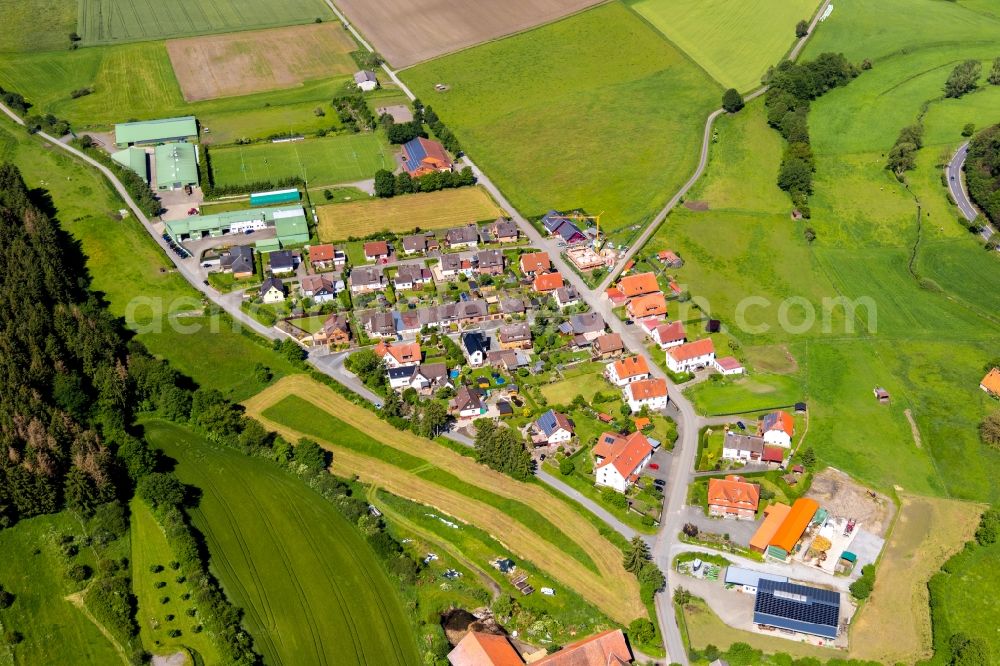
x=954, y=173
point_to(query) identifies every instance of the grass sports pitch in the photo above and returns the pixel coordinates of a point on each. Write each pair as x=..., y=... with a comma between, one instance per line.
x=734, y=41
x=326, y=161
x=116, y=21
x=426, y=210
x=304, y=576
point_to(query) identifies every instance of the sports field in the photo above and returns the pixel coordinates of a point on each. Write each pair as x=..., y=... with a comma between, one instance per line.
x=424, y=210
x=531, y=522
x=603, y=128
x=36, y=25
x=150, y=550
x=247, y=62
x=734, y=41
x=303, y=575
x=326, y=161
x=115, y=21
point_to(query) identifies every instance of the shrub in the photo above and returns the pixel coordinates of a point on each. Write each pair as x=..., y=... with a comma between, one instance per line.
x=164, y=600
x=159, y=585
x=79, y=572
x=13, y=637
x=174, y=633
x=566, y=467
x=6, y=599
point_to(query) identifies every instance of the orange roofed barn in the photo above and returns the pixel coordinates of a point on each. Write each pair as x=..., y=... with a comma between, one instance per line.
x=637, y=285
x=733, y=497
x=793, y=527
x=774, y=515
x=607, y=648
x=991, y=382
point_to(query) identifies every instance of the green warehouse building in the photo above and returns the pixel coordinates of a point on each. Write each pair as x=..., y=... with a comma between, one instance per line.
x=289, y=223
x=134, y=159
x=176, y=165
x=150, y=132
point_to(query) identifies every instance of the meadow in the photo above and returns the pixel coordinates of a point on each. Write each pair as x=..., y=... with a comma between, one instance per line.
x=55, y=630
x=321, y=161
x=36, y=25
x=603, y=128
x=303, y=575
x=150, y=550
x=423, y=210
x=533, y=524
x=734, y=42
x=115, y=21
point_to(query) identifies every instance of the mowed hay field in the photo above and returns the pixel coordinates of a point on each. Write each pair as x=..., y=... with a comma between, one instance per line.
x=734, y=41
x=321, y=161
x=304, y=576
x=597, y=111
x=431, y=474
x=424, y=210
x=410, y=31
x=247, y=62
x=36, y=25
x=927, y=532
x=111, y=21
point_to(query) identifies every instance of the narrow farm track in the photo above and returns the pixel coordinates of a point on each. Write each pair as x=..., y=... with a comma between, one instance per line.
x=610, y=588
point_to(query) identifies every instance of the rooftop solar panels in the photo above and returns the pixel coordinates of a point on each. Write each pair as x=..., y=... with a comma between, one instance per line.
x=799, y=608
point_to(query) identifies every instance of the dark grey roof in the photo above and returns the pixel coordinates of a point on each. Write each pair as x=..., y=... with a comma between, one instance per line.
x=364, y=76
x=589, y=322
x=567, y=294
x=799, y=608
x=401, y=372
x=272, y=282
x=411, y=273
x=475, y=341
x=466, y=234
x=504, y=228
x=239, y=259
x=282, y=259
x=366, y=275
x=415, y=243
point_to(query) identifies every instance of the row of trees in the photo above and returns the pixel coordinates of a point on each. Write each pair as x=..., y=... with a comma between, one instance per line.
x=903, y=155
x=791, y=89
x=502, y=449
x=388, y=185
x=965, y=77
x=982, y=171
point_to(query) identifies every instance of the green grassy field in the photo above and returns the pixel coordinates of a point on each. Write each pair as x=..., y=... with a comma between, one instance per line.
x=326, y=161
x=150, y=549
x=303, y=575
x=36, y=25
x=109, y=21
x=604, y=128
x=55, y=632
x=136, y=81
x=585, y=380
x=734, y=42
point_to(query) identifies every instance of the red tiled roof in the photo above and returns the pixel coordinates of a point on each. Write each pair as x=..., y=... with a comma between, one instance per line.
x=605, y=649
x=671, y=332
x=376, y=248
x=636, y=285
x=649, y=305
x=773, y=454
x=609, y=342
x=402, y=352
x=991, y=382
x=631, y=366
x=548, y=282
x=625, y=453
x=691, y=350
x=535, y=261
x=645, y=389
x=321, y=253
x=728, y=363
x=481, y=649
x=733, y=493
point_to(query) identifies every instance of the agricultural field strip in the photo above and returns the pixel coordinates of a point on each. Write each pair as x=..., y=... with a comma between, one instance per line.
x=604, y=590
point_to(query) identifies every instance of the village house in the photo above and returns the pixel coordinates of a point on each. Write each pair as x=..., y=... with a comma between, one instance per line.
x=475, y=345
x=423, y=156
x=411, y=276
x=745, y=448
x=489, y=262
x=515, y=336
x=590, y=325
x=470, y=313
x=467, y=403
x=552, y=427
x=238, y=261
x=407, y=323
x=379, y=325
x=651, y=393
x=399, y=354
x=512, y=306
x=365, y=279
x=608, y=648
x=326, y=257
x=627, y=370
x=535, y=262
x=429, y=377
x=728, y=366
x=365, y=80
x=418, y=243
x=560, y=225
x=321, y=288
x=507, y=359
x=503, y=231
x=649, y=305
x=401, y=377
x=991, y=382
x=669, y=335
x=670, y=259
x=733, y=497
x=618, y=459
x=607, y=346
x=466, y=237
x=281, y=262
x=336, y=330
x=567, y=296
x=638, y=285
x=272, y=290
x=376, y=251
x=691, y=356
x=777, y=428
x=547, y=282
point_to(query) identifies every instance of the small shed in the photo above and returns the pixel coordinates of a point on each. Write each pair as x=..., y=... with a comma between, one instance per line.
x=800, y=407
x=881, y=395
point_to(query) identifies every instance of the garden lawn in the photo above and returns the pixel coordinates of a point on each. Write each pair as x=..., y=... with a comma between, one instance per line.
x=585, y=380
x=320, y=161
x=303, y=575
x=55, y=631
x=749, y=393
x=423, y=210
x=734, y=42
x=150, y=549
x=558, y=125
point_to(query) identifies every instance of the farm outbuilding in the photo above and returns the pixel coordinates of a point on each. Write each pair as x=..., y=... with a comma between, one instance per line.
x=799, y=608
x=146, y=132
x=274, y=197
x=176, y=165
x=792, y=528
x=289, y=223
x=134, y=159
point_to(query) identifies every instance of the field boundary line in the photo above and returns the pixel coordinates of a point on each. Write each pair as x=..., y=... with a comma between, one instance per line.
x=77, y=599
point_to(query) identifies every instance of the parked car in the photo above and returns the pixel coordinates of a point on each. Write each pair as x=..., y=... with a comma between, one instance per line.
x=654, y=465
x=659, y=483
x=740, y=425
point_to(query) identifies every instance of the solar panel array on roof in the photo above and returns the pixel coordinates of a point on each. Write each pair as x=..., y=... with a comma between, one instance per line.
x=799, y=608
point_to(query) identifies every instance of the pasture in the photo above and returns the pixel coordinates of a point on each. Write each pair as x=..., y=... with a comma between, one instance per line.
x=525, y=514
x=321, y=161
x=156, y=619
x=602, y=128
x=423, y=210
x=734, y=42
x=241, y=63
x=116, y=21
x=304, y=576
x=36, y=25
x=968, y=598
x=55, y=631
x=408, y=32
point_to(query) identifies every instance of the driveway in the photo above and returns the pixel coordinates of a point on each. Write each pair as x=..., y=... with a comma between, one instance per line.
x=739, y=531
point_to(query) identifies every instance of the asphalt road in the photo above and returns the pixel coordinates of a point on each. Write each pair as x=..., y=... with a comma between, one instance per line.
x=955, y=173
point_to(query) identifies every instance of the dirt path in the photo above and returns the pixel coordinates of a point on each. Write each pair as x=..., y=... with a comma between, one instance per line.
x=913, y=428
x=77, y=600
